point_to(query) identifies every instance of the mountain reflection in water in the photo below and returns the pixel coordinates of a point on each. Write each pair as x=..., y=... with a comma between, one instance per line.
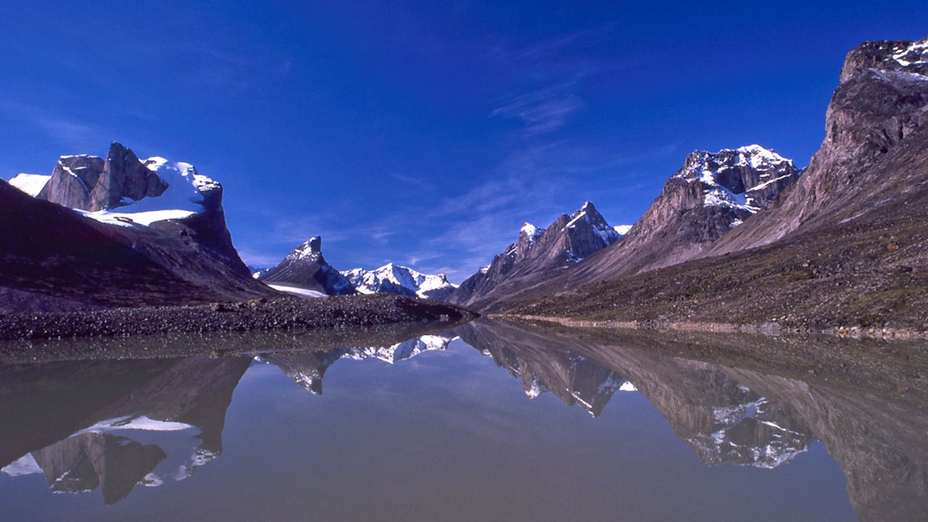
x=114, y=425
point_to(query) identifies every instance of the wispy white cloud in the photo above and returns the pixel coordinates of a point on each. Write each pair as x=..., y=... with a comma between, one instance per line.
x=541, y=111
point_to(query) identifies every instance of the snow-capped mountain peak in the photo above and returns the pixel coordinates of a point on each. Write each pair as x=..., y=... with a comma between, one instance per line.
x=597, y=222
x=745, y=179
x=310, y=250
x=396, y=279
x=124, y=190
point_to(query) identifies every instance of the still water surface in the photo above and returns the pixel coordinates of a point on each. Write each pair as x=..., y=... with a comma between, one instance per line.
x=482, y=423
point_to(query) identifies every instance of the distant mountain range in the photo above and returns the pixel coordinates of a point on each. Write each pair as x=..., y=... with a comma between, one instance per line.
x=306, y=272
x=400, y=280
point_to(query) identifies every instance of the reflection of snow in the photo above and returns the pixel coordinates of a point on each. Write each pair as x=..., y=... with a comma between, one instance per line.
x=25, y=465
x=780, y=445
x=401, y=351
x=142, y=423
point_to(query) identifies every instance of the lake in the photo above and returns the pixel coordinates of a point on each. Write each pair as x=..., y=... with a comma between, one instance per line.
x=488, y=421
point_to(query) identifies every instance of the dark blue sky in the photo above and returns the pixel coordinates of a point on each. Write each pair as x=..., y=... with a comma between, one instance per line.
x=424, y=133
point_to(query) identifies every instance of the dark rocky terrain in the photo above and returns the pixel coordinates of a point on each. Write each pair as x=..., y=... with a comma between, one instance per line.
x=306, y=268
x=537, y=256
x=285, y=313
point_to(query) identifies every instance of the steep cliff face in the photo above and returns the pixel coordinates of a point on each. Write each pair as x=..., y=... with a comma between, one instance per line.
x=882, y=100
x=90, y=183
x=538, y=255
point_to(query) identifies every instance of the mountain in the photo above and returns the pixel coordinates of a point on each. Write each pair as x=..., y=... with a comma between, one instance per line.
x=537, y=255
x=710, y=195
x=307, y=369
x=91, y=183
x=172, y=248
x=879, y=107
x=846, y=246
x=306, y=269
x=395, y=279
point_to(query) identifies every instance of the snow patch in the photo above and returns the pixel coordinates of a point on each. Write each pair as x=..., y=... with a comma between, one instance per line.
x=141, y=423
x=302, y=292
x=622, y=229
x=628, y=387
x=31, y=184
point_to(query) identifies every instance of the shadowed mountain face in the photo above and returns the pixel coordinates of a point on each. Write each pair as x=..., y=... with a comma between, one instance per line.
x=78, y=419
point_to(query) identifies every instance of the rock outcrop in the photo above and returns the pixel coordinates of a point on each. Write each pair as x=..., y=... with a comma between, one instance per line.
x=169, y=246
x=90, y=183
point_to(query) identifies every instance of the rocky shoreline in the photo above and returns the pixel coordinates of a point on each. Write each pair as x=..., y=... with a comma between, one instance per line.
x=768, y=329
x=285, y=313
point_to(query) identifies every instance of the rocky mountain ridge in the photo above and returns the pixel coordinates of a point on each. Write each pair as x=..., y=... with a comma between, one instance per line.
x=881, y=100
x=537, y=254
x=709, y=196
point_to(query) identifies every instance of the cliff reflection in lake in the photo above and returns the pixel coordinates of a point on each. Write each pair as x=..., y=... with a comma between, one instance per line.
x=444, y=434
